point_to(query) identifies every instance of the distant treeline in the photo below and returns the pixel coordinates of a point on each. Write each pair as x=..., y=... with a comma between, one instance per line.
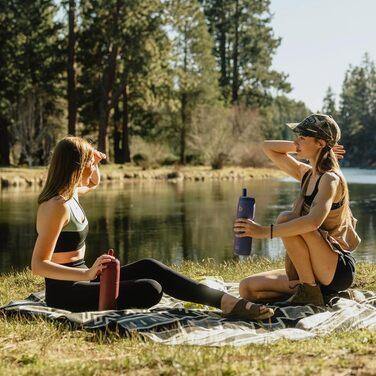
x=157, y=82
x=356, y=113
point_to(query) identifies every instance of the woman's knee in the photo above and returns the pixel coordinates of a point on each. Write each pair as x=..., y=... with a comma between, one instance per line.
x=149, y=263
x=256, y=286
x=148, y=260
x=150, y=290
x=247, y=289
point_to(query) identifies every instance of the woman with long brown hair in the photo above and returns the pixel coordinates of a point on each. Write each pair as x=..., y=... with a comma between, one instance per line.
x=59, y=250
x=319, y=233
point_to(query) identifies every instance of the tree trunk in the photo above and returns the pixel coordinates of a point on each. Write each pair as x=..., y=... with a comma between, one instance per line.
x=104, y=106
x=183, y=127
x=72, y=95
x=106, y=87
x=103, y=120
x=117, y=135
x=235, y=57
x=4, y=143
x=125, y=135
x=222, y=52
x=184, y=103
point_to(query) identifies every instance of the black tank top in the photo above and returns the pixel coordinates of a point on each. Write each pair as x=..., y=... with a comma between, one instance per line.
x=308, y=199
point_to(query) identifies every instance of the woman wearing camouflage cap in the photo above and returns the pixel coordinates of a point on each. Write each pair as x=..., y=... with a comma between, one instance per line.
x=319, y=233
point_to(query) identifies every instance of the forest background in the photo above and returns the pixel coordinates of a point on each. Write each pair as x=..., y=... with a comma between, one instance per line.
x=159, y=82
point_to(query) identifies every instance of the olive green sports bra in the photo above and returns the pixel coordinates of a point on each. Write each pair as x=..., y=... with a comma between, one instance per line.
x=73, y=235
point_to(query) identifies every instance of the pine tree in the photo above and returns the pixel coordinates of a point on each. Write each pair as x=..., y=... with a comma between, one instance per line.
x=358, y=113
x=283, y=110
x=71, y=10
x=30, y=77
x=122, y=49
x=195, y=69
x=329, y=106
x=244, y=48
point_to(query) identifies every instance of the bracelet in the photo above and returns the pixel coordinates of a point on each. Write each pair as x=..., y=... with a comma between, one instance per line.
x=271, y=231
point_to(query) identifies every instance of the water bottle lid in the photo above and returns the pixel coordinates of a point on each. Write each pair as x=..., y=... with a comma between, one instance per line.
x=110, y=252
x=244, y=192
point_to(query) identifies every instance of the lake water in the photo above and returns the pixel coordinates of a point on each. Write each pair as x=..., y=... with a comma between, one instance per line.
x=173, y=222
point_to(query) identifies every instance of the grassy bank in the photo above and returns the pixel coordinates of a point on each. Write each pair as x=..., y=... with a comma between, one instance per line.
x=39, y=347
x=18, y=177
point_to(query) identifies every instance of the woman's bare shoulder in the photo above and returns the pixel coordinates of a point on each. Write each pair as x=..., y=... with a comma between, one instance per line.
x=53, y=213
x=304, y=168
x=55, y=205
x=330, y=181
x=331, y=176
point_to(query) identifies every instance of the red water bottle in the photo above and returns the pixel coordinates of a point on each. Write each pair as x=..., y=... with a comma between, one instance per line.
x=109, y=284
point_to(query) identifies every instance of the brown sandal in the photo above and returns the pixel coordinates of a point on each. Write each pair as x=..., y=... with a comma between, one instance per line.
x=241, y=312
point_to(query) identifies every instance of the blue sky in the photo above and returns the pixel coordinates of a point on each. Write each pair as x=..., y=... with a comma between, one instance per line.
x=320, y=39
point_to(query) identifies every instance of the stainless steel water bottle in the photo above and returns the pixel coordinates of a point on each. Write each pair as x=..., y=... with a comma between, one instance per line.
x=109, y=285
x=246, y=209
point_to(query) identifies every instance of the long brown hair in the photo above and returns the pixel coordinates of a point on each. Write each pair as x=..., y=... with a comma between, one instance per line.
x=327, y=162
x=67, y=163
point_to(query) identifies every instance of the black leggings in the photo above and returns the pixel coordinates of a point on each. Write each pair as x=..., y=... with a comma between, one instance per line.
x=142, y=285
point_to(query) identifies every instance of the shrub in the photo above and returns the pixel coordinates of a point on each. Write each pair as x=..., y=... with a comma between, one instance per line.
x=224, y=135
x=151, y=154
x=139, y=158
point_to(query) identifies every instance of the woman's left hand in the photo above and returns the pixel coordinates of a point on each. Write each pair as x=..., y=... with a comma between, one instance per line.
x=244, y=227
x=98, y=156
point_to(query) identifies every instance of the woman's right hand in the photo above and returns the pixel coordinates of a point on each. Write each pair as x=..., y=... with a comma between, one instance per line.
x=339, y=151
x=98, y=266
x=99, y=156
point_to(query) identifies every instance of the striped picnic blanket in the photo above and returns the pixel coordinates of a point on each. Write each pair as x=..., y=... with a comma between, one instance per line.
x=170, y=322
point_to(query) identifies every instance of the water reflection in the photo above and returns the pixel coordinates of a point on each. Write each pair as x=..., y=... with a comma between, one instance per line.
x=17, y=228
x=171, y=222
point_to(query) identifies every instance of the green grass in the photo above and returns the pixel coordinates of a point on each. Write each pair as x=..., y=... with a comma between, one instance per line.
x=35, y=347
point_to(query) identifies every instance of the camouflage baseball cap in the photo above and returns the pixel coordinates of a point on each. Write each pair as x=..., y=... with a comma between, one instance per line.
x=319, y=126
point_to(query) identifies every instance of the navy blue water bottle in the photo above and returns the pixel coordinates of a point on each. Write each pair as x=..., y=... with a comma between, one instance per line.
x=246, y=209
